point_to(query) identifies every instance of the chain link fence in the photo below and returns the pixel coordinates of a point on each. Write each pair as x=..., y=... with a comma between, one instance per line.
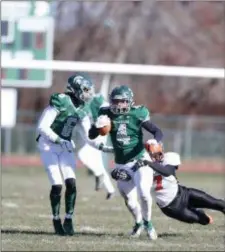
x=191, y=136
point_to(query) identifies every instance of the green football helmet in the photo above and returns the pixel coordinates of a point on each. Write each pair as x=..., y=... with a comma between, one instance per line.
x=81, y=87
x=121, y=99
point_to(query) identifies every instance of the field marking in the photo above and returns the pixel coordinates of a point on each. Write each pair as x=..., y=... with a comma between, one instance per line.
x=45, y=216
x=10, y=204
x=147, y=243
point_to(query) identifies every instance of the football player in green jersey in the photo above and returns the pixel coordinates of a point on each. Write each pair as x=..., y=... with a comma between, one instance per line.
x=55, y=127
x=98, y=168
x=126, y=135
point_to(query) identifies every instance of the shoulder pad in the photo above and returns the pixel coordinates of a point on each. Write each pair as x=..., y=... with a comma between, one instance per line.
x=138, y=106
x=57, y=101
x=171, y=158
x=141, y=112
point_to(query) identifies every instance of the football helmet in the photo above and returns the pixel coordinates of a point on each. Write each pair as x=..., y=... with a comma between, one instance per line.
x=155, y=151
x=81, y=87
x=121, y=99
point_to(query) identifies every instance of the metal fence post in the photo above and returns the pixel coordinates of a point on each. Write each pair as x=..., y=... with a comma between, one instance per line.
x=8, y=137
x=188, y=137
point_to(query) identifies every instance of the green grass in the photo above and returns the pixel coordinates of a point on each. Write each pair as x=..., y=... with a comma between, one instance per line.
x=101, y=225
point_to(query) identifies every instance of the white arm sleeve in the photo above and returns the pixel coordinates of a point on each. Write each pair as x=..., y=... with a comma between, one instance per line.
x=47, y=118
x=83, y=127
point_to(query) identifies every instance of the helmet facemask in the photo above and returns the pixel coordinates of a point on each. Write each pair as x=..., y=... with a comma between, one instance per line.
x=157, y=157
x=87, y=92
x=121, y=100
x=156, y=152
x=120, y=106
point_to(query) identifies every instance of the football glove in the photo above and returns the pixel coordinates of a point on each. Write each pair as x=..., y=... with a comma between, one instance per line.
x=102, y=120
x=140, y=163
x=120, y=174
x=104, y=148
x=66, y=144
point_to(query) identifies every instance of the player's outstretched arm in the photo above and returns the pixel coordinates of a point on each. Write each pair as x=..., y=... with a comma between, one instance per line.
x=84, y=128
x=166, y=170
x=153, y=129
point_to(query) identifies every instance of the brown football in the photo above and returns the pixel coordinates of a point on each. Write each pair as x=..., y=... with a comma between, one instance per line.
x=104, y=130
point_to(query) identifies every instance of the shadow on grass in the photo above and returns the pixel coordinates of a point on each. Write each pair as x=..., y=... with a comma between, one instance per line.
x=80, y=233
x=164, y=235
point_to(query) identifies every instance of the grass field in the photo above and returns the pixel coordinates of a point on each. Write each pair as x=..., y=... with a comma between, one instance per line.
x=100, y=224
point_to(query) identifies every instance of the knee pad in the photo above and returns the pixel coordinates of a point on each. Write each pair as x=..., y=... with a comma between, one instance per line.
x=56, y=189
x=70, y=185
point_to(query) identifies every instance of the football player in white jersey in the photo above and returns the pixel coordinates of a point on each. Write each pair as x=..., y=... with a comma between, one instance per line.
x=175, y=200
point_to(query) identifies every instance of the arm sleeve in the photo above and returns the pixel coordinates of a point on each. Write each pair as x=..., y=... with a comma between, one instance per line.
x=44, y=125
x=153, y=129
x=56, y=101
x=163, y=170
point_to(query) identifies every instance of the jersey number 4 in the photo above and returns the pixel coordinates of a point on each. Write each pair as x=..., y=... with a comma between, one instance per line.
x=158, y=180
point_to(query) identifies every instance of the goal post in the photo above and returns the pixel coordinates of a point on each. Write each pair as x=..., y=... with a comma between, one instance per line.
x=116, y=68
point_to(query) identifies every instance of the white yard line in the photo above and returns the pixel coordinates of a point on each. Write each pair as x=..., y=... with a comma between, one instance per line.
x=9, y=204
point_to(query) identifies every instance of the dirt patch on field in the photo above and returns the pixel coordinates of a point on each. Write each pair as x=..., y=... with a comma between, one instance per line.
x=200, y=165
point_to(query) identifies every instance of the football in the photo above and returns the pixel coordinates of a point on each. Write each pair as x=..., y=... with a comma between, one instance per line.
x=104, y=130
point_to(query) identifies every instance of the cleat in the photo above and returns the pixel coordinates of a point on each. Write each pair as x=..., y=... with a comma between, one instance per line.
x=68, y=226
x=137, y=229
x=152, y=235
x=58, y=227
x=151, y=232
x=110, y=195
x=99, y=182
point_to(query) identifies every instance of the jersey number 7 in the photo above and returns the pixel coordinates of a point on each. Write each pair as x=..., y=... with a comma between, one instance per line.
x=158, y=180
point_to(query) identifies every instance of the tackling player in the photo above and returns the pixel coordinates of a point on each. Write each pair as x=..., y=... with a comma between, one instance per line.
x=175, y=200
x=55, y=126
x=127, y=122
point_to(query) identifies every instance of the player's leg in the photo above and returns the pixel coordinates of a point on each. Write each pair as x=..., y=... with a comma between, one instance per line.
x=51, y=164
x=94, y=162
x=179, y=209
x=187, y=215
x=108, y=184
x=128, y=191
x=200, y=199
x=90, y=163
x=67, y=165
x=143, y=180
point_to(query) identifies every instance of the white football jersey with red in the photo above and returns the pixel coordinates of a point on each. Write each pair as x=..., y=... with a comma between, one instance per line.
x=165, y=188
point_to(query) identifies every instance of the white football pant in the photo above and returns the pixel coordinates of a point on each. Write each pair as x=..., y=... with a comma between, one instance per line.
x=139, y=186
x=93, y=160
x=58, y=162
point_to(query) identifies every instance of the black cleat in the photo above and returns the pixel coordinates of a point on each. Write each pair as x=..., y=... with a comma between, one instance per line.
x=99, y=182
x=58, y=227
x=68, y=226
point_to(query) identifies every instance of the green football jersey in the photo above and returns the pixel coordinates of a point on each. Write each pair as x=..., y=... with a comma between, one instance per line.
x=95, y=105
x=126, y=133
x=68, y=116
